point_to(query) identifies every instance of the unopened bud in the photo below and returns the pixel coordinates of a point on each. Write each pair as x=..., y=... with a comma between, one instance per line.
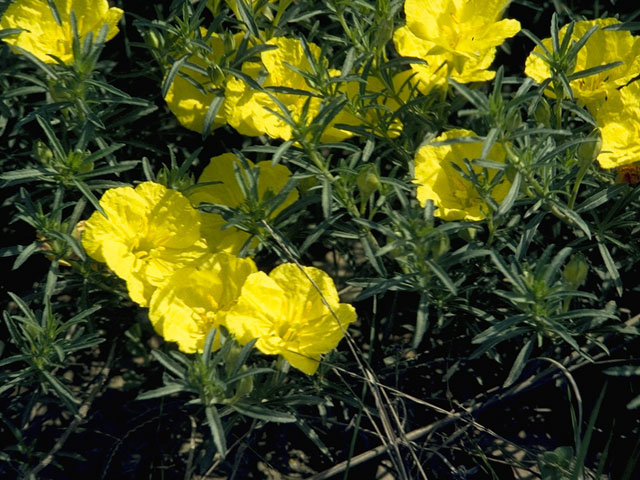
x=154, y=39
x=514, y=120
x=589, y=150
x=575, y=272
x=542, y=112
x=368, y=181
x=42, y=152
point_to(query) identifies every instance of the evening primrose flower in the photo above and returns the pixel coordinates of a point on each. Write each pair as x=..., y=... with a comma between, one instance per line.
x=43, y=37
x=456, y=39
x=224, y=190
x=602, y=47
x=148, y=234
x=619, y=120
x=438, y=180
x=288, y=315
x=189, y=102
x=189, y=304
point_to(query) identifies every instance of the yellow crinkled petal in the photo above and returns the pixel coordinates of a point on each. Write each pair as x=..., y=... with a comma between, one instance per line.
x=455, y=197
x=461, y=26
x=187, y=306
x=619, y=120
x=149, y=232
x=261, y=301
x=603, y=47
x=173, y=222
x=290, y=51
x=43, y=37
x=126, y=216
x=152, y=268
x=285, y=312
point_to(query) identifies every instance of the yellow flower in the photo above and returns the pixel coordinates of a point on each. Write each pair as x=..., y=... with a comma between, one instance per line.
x=190, y=103
x=43, y=37
x=248, y=110
x=438, y=180
x=188, y=305
x=287, y=315
x=457, y=38
x=226, y=191
x=603, y=47
x=619, y=120
x=148, y=234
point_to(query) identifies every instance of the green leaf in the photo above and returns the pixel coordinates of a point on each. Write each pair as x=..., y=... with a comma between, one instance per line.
x=173, y=71
x=422, y=321
x=263, y=413
x=593, y=70
x=84, y=189
x=511, y=197
x=601, y=197
x=520, y=361
x=217, y=431
x=442, y=275
x=280, y=151
x=611, y=267
x=25, y=254
x=246, y=15
x=489, y=142
x=162, y=391
x=210, y=116
x=56, y=146
x=327, y=194
x=63, y=392
x=169, y=364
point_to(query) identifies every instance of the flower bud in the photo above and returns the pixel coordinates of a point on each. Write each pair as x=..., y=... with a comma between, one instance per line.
x=154, y=39
x=42, y=152
x=589, y=150
x=542, y=112
x=514, y=120
x=368, y=181
x=76, y=161
x=575, y=272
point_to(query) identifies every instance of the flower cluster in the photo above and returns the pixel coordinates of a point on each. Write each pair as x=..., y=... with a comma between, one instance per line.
x=49, y=40
x=608, y=95
x=277, y=90
x=151, y=237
